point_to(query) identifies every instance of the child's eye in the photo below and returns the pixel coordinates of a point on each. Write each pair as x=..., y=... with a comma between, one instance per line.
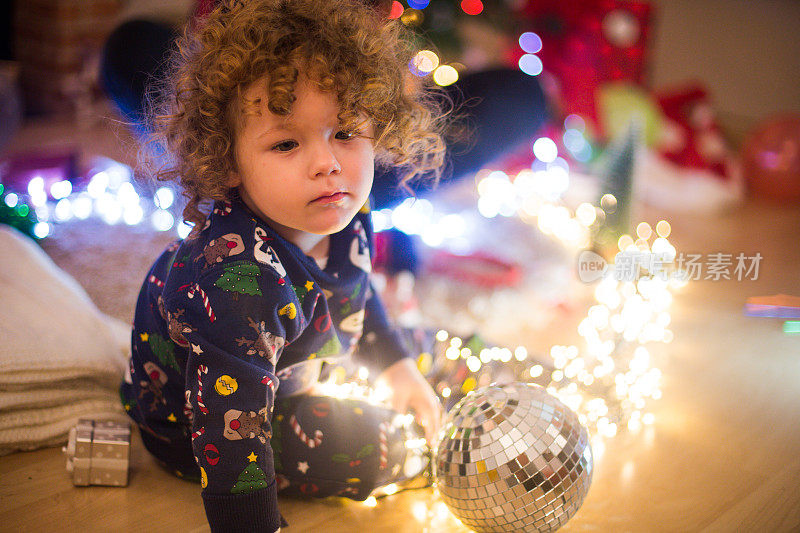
x=285, y=146
x=345, y=135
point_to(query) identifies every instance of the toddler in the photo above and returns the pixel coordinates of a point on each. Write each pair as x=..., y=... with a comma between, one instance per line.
x=277, y=113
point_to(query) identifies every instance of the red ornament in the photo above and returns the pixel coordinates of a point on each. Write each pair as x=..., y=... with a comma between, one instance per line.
x=771, y=160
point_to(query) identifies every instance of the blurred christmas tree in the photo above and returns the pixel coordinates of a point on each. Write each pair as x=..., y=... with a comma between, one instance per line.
x=470, y=34
x=17, y=214
x=615, y=169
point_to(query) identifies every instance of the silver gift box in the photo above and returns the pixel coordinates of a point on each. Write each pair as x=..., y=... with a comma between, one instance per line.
x=98, y=453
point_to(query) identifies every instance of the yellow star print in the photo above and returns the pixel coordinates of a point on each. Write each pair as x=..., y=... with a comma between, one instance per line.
x=309, y=285
x=172, y=418
x=252, y=457
x=144, y=337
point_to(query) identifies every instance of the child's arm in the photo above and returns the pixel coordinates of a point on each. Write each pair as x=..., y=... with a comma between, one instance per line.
x=407, y=386
x=388, y=353
x=237, y=334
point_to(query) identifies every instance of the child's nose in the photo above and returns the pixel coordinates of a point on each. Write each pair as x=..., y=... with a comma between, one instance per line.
x=325, y=162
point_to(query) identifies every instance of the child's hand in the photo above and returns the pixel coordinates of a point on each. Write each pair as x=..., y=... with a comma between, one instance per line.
x=408, y=388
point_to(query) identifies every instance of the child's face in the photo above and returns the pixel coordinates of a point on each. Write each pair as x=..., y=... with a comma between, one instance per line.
x=301, y=173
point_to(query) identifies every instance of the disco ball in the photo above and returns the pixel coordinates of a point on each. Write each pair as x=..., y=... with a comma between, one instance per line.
x=513, y=458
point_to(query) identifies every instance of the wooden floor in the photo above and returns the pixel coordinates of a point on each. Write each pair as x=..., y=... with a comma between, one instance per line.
x=721, y=456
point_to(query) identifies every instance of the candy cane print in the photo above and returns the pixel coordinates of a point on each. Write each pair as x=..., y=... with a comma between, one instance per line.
x=269, y=383
x=156, y=281
x=197, y=433
x=187, y=407
x=384, y=427
x=209, y=311
x=202, y=369
x=311, y=443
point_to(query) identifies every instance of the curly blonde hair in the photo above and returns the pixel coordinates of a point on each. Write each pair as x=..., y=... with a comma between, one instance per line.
x=346, y=47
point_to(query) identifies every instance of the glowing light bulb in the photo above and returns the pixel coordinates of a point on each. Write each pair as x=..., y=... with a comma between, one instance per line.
x=545, y=149
x=445, y=75
x=472, y=7
x=624, y=242
x=41, y=230
x=530, y=42
x=644, y=231
x=98, y=184
x=61, y=189
x=183, y=229
x=521, y=353
x=162, y=220
x=397, y=10
x=608, y=203
x=424, y=62
x=530, y=65
x=164, y=198
x=371, y=502
x=663, y=228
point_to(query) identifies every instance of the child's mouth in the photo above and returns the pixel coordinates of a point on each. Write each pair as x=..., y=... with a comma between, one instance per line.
x=330, y=198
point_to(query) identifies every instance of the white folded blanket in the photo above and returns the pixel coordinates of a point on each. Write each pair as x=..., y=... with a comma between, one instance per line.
x=61, y=359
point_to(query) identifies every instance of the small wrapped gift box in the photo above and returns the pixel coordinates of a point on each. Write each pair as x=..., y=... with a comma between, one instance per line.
x=98, y=453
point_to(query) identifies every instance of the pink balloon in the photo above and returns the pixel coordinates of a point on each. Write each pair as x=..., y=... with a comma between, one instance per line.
x=771, y=159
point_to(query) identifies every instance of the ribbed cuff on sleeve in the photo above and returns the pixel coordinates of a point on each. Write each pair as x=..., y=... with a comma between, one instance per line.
x=256, y=512
x=387, y=349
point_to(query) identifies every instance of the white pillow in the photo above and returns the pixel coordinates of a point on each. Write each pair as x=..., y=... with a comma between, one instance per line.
x=51, y=337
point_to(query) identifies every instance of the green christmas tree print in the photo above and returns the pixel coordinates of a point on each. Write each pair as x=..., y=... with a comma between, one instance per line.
x=240, y=277
x=163, y=349
x=346, y=308
x=344, y=458
x=302, y=290
x=250, y=480
x=331, y=347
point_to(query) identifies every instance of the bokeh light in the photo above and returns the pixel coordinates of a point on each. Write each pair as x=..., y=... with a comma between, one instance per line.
x=412, y=17
x=663, y=228
x=164, y=197
x=445, y=75
x=397, y=10
x=545, y=149
x=574, y=122
x=424, y=63
x=530, y=42
x=472, y=7
x=530, y=65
